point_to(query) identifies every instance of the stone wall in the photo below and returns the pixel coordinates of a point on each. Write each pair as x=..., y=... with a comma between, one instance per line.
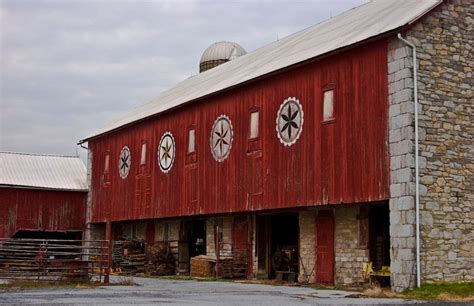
x=402, y=180
x=444, y=41
x=444, y=44
x=349, y=256
x=307, y=246
x=226, y=224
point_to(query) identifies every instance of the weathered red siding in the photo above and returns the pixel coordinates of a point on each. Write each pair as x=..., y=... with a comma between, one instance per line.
x=40, y=210
x=344, y=161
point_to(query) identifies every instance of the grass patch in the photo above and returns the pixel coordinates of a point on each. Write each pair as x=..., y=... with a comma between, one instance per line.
x=461, y=291
x=26, y=285
x=212, y=279
x=199, y=279
x=176, y=277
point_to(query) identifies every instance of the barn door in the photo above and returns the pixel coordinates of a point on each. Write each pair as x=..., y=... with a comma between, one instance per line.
x=241, y=244
x=325, y=247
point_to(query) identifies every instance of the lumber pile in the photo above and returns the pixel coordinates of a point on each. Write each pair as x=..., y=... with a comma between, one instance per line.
x=129, y=256
x=159, y=260
x=136, y=256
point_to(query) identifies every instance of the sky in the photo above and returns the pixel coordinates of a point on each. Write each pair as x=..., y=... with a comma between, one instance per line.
x=68, y=67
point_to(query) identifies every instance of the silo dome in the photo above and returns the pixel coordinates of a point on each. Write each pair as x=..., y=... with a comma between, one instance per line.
x=219, y=53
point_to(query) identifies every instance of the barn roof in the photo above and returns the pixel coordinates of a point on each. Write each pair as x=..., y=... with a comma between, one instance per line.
x=354, y=26
x=42, y=171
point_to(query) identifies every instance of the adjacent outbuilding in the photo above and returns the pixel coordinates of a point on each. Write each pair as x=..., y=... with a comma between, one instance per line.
x=42, y=196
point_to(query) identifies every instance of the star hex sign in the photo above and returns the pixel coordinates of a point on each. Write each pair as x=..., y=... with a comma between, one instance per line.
x=166, y=152
x=289, y=121
x=124, y=162
x=221, y=138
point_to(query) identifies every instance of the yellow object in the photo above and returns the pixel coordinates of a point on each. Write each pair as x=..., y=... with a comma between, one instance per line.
x=369, y=273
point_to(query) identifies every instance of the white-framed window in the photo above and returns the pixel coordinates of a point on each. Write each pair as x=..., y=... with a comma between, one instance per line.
x=106, y=163
x=143, y=154
x=254, y=124
x=328, y=105
x=191, y=141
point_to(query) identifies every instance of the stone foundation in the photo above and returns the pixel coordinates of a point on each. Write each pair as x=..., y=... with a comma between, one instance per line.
x=349, y=255
x=307, y=246
x=226, y=224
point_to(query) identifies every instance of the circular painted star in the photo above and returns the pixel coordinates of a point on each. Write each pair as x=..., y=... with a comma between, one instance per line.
x=289, y=121
x=166, y=152
x=124, y=162
x=221, y=138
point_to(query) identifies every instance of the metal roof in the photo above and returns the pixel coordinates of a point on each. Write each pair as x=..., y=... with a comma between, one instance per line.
x=356, y=25
x=42, y=171
x=222, y=50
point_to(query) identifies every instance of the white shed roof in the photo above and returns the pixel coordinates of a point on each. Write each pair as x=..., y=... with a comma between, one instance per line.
x=353, y=26
x=42, y=171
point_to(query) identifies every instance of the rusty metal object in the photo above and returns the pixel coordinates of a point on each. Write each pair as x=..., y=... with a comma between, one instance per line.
x=53, y=260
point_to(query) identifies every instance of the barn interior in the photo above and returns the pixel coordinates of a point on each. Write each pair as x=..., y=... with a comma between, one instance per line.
x=379, y=241
x=277, y=246
x=49, y=235
x=192, y=242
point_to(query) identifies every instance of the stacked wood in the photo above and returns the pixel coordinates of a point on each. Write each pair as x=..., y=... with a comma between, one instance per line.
x=203, y=266
x=129, y=256
x=159, y=260
x=234, y=266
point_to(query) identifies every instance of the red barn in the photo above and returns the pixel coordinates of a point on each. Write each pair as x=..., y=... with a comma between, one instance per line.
x=288, y=155
x=42, y=196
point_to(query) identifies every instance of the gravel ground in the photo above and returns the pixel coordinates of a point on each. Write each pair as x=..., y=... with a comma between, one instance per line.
x=177, y=292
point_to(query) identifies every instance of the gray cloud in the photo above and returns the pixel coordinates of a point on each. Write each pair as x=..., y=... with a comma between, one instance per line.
x=69, y=67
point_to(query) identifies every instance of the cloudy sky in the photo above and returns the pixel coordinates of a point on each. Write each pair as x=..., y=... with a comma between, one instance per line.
x=69, y=67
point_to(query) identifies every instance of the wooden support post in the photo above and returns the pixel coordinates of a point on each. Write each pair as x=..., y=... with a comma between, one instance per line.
x=217, y=244
x=108, y=231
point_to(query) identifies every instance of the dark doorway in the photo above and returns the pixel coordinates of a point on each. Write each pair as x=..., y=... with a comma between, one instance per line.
x=285, y=239
x=192, y=242
x=277, y=244
x=325, y=247
x=379, y=237
x=197, y=245
x=263, y=246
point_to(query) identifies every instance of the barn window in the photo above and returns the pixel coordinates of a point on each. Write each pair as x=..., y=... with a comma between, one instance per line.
x=143, y=155
x=191, y=141
x=328, y=105
x=254, y=122
x=106, y=163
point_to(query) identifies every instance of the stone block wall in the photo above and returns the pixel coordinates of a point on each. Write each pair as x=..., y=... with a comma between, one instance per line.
x=349, y=256
x=402, y=163
x=445, y=42
x=226, y=224
x=307, y=246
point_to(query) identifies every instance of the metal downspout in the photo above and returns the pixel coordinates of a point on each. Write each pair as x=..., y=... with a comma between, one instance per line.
x=417, y=176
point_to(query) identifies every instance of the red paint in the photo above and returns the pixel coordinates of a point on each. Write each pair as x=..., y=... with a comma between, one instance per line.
x=344, y=161
x=241, y=239
x=325, y=247
x=40, y=210
x=150, y=233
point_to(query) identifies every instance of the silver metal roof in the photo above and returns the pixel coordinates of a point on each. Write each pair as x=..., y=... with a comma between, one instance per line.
x=353, y=26
x=42, y=171
x=222, y=50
